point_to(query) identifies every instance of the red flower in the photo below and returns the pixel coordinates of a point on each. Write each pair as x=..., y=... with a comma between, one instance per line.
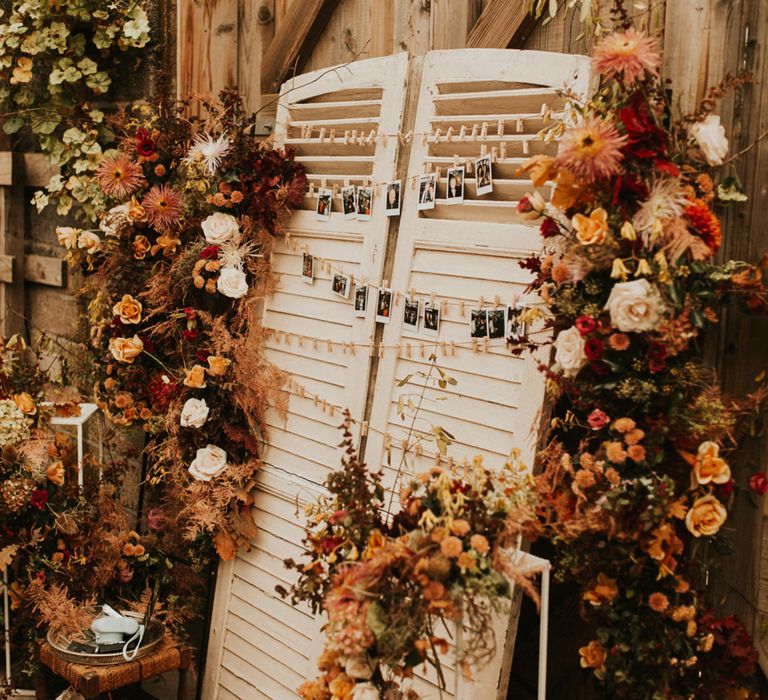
x=647, y=141
x=549, y=228
x=330, y=543
x=39, y=498
x=598, y=419
x=211, y=252
x=190, y=313
x=657, y=356
x=145, y=144
x=202, y=355
x=585, y=324
x=593, y=349
x=524, y=205
x=190, y=334
x=758, y=482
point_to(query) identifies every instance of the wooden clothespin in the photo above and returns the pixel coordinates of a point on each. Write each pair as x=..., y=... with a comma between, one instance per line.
x=485, y=344
x=496, y=301
x=455, y=160
x=453, y=348
x=397, y=298
x=329, y=345
x=311, y=191
x=364, y=428
x=421, y=350
x=503, y=149
x=449, y=134
x=383, y=139
x=408, y=350
x=483, y=149
x=335, y=191
x=463, y=132
x=442, y=349
x=354, y=135
x=484, y=130
x=462, y=309
x=481, y=303
x=346, y=136
x=500, y=128
x=526, y=147
x=519, y=126
x=474, y=132
x=322, y=134
x=474, y=345
x=444, y=308
x=493, y=154
x=315, y=344
x=436, y=136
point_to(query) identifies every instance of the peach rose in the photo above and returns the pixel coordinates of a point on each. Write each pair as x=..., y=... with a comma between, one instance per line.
x=592, y=655
x=126, y=349
x=128, y=309
x=479, y=543
x=25, y=403
x=141, y=246
x=218, y=365
x=592, y=229
x=90, y=242
x=623, y=425
x=55, y=473
x=451, y=546
x=634, y=436
x=706, y=516
x=605, y=591
x=709, y=466
x=636, y=453
x=195, y=378
x=615, y=452
x=460, y=527
x=466, y=560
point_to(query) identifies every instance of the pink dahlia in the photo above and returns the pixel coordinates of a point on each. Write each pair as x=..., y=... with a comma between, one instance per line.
x=591, y=149
x=628, y=55
x=163, y=207
x=119, y=177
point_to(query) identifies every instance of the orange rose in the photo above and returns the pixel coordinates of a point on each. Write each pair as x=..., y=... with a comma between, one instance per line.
x=195, y=378
x=466, y=560
x=451, y=546
x=141, y=246
x=705, y=517
x=55, y=473
x=591, y=229
x=636, y=453
x=342, y=686
x=25, y=403
x=592, y=655
x=604, y=591
x=615, y=452
x=218, y=365
x=460, y=527
x=126, y=349
x=135, y=211
x=128, y=309
x=584, y=478
x=709, y=466
x=479, y=544
x=634, y=436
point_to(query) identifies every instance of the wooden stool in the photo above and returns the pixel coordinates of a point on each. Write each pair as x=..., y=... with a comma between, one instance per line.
x=92, y=681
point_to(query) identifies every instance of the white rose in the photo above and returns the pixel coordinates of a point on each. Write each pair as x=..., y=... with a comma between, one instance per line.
x=67, y=236
x=569, y=351
x=635, y=306
x=710, y=136
x=195, y=413
x=358, y=667
x=232, y=283
x=114, y=219
x=210, y=461
x=90, y=241
x=365, y=691
x=219, y=228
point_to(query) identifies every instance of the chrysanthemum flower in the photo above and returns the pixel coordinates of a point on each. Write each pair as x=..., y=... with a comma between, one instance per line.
x=209, y=150
x=705, y=222
x=163, y=207
x=119, y=177
x=665, y=201
x=627, y=55
x=591, y=149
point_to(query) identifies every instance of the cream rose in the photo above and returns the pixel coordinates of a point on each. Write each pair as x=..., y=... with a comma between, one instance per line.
x=232, y=283
x=114, y=220
x=67, y=236
x=209, y=461
x=365, y=691
x=218, y=365
x=89, y=241
x=219, y=228
x=706, y=516
x=569, y=351
x=126, y=349
x=710, y=466
x=194, y=413
x=128, y=309
x=710, y=137
x=635, y=306
x=358, y=667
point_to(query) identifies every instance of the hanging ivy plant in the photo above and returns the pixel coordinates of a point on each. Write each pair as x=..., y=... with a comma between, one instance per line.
x=58, y=63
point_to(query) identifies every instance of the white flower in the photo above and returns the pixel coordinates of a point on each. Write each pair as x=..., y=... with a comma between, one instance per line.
x=209, y=150
x=365, y=691
x=232, y=283
x=665, y=201
x=194, y=414
x=358, y=667
x=67, y=236
x=209, y=461
x=710, y=136
x=635, y=306
x=13, y=424
x=219, y=228
x=569, y=351
x=114, y=220
x=90, y=241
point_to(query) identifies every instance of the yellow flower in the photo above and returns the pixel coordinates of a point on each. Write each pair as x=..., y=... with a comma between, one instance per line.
x=709, y=466
x=128, y=309
x=592, y=655
x=22, y=73
x=643, y=268
x=628, y=231
x=126, y=349
x=141, y=246
x=604, y=591
x=25, y=403
x=195, y=378
x=591, y=229
x=706, y=516
x=619, y=269
x=217, y=365
x=55, y=473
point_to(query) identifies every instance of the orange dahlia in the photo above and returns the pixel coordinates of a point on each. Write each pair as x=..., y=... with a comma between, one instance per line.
x=629, y=54
x=163, y=207
x=705, y=222
x=119, y=177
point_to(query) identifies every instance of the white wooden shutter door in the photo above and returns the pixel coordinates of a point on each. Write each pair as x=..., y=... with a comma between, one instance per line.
x=462, y=253
x=261, y=647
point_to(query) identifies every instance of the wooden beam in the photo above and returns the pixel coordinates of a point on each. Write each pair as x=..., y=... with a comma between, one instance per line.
x=42, y=269
x=499, y=24
x=12, y=202
x=382, y=27
x=6, y=269
x=303, y=23
x=451, y=22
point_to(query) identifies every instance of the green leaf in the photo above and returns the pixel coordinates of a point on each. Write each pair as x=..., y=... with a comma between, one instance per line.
x=12, y=125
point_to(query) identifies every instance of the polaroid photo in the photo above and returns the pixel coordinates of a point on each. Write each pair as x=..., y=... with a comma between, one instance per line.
x=364, y=203
x=483, y=175
x=516, y=329
x=384, y=306
x=392, y=199
x=431, y=325
x=411, y=314
x=348, y=202
x=496, y=323
x=478, y=323
x=340, y=285
x=323, y=206
x=454, y=193
x=361, y=300
x=308, y=268
x=427, y=189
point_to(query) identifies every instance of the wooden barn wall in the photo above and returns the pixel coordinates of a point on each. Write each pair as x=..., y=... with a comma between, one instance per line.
x=223, y=42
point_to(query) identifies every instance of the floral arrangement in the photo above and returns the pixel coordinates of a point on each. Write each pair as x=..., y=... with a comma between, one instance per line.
x=174, y=272
x=58, y=60
x=635, y=481
x=386, y=583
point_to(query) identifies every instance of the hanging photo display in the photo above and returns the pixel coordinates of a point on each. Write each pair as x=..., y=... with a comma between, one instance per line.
x=348, y=202
x=384, y=306
x=308, y=268
x=496, y=323
x=515, y=326
x=454, y=193
x=431, y=327
x=427, y=187
x=340, y=285
x=364, y=203
x=323, y=205
x=478, y=323
x=361, y=300
x=392, y=199
x=411, y=314
x=483, y=175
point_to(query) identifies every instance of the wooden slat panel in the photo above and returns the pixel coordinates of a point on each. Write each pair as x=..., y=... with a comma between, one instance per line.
x=42, y=269
x=12, y=204
x=6, y=269
x=451, y=22
x=499, y=24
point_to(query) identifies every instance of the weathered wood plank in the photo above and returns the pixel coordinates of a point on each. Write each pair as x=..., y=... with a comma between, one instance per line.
x=254, y=35
x=303, y=23
x=411, y=28
x=499, y=24
x=42, y=269
x=452, y=21
x=6, y=168
x=382, y=27
x=6, y=269
x=37, y=169
x=346, y=36
x=12, y=202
